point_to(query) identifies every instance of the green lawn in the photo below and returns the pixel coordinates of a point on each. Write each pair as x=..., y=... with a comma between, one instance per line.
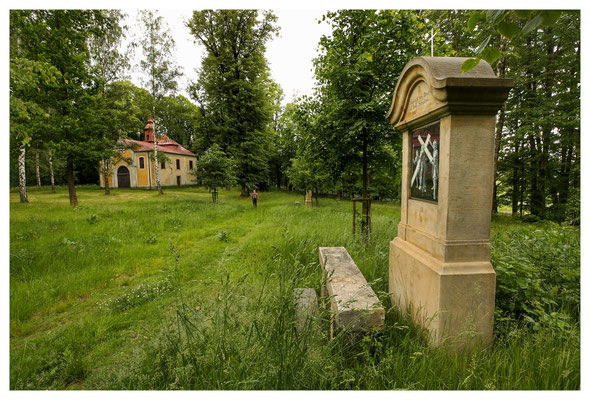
x=136, y=290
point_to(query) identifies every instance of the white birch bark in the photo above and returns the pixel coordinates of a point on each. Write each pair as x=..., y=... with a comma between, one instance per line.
x=22, y=177
x=156, y=163
x=37, y=175
x=106, y=171
x=51, y=171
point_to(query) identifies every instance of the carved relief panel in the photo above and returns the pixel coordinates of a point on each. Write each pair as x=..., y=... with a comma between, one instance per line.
x=425, y=155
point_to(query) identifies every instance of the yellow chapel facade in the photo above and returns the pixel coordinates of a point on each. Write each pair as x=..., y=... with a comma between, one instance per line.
x=135, y=167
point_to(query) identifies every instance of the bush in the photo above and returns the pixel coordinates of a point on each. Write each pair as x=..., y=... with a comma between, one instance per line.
x=538, y=275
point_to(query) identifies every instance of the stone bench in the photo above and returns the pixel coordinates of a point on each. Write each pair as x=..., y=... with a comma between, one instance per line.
x=354, y=305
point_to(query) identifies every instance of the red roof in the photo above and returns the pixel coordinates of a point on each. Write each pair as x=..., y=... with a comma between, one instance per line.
x=165, y=144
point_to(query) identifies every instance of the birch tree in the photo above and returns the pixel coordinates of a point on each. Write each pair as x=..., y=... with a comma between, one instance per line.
x=37, y=174
x=158, y=67
x=60, y=38
x=110, y=62
x=51, y=179
x=27, y=107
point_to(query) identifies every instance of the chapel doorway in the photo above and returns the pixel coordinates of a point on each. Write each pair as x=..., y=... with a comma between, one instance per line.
x=123, y=177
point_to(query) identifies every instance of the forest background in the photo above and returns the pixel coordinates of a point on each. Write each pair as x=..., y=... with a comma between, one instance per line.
x=70, y=104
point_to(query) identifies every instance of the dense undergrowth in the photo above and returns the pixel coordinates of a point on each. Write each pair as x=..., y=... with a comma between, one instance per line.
x=194, y=295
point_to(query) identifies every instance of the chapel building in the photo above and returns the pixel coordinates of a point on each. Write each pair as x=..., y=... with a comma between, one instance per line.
x=135, y=167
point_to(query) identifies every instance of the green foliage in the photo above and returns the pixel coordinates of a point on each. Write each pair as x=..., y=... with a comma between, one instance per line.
x=157, y=64
x=126, y=108
x=538, y=275
x=62, y=39
x=356, y=71
x=109, y=61
x=508, y=24
x=539, y=163
x=214, y=170
x=539, y=145
x=285, y=143
x=223, y=236
x=28, y=80
x=180, y=119
x=151, y=239
x=234, y=88
x=307, y=175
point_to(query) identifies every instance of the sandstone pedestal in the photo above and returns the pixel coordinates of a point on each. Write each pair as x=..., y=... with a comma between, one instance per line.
x=439, y=264
x=308, y=198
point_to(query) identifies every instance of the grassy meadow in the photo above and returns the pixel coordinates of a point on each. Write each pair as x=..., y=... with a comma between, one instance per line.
x=140, y=291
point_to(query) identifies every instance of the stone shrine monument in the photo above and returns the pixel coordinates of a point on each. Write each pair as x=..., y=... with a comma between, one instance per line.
x=308, y=198
x=439, y=263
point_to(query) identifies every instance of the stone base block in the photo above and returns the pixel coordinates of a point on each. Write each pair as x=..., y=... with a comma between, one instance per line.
x=453, y=301
x=306, y=306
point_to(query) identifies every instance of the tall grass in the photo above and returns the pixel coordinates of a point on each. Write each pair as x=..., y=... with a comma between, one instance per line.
x=195, y=295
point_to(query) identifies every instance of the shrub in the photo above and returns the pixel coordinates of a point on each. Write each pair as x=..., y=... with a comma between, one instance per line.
x=538, y=274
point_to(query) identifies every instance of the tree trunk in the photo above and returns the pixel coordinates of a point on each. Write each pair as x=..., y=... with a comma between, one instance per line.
x=536, y=197
x=156, y=163
x=37, y=175
x=106, y=171
x=71, y=183
x=516, y=171
x=498, y=140
x=244, y=191
x=22, y=176
x=317, y=197
x=149, y=172
x=566, y=169
x=365, y=216
x=51, y=171
x=547, y=179
x=501, y=67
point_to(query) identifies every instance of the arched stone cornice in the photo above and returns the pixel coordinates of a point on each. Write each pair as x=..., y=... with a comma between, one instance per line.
x=433, y=86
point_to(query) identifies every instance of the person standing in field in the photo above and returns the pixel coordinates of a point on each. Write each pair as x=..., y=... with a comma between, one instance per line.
x=254, y=198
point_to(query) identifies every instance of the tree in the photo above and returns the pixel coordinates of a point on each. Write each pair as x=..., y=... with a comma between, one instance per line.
x=61, y=38
x=127, y=107
x=160, y=70
x=28, y=108
x=459, y=39
x=214, y=170
x=109, y=63
x=232, y=89
x=285, y=142
x=274, y=161
x=180, y=119
x=537, y=134
x=306, y=174
x=539, y=161
x=356, y=72
x=310, y=168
